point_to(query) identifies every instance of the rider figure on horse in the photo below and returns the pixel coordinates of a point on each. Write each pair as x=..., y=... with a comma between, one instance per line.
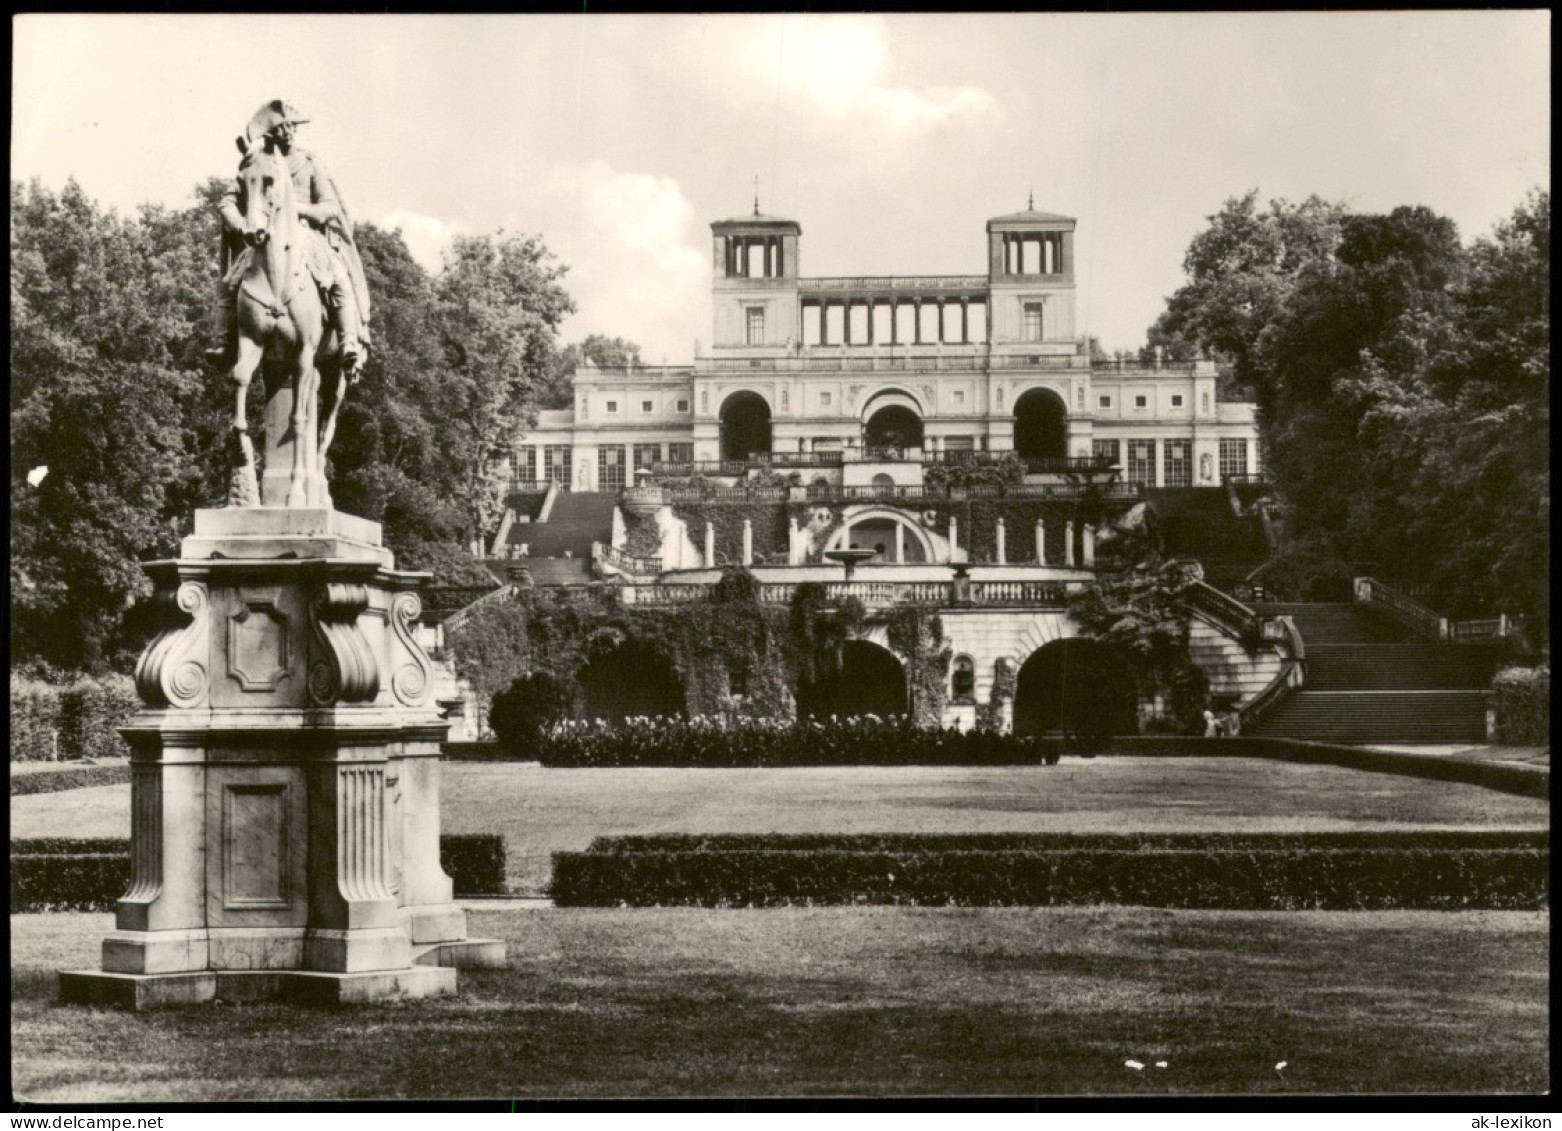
x=332, y=256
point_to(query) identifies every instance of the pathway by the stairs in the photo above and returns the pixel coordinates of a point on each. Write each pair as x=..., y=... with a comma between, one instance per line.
x=1197, y=522
x=578, y=519
x=1372, y=680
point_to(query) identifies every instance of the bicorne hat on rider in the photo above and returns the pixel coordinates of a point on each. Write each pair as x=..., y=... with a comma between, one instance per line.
x=270, y=116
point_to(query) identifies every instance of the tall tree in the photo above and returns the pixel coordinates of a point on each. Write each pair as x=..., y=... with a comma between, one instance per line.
x=500, y=302
x=104, y=393
x=596, y=349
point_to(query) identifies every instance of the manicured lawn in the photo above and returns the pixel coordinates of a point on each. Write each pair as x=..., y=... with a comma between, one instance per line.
x=870, y=1000
x=542, y=811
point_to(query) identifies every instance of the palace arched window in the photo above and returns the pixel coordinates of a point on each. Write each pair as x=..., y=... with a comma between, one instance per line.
x=962, y=682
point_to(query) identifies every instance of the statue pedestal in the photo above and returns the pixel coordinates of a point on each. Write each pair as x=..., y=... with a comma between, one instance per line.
x=285, y=779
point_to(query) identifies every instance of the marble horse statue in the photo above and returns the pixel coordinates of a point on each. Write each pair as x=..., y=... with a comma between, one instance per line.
x=284, y=299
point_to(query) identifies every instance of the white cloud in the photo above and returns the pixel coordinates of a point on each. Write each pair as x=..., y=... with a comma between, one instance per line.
x=637, y=271
x=426, y=236
x=827, y=67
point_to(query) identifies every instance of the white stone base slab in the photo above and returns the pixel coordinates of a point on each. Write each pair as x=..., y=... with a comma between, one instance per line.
x=461, y=954
x=154, y=991
x=435, y=922
x=275, y=532
x=357, y=951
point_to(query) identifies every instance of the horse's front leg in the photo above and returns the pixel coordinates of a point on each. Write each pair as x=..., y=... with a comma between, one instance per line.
x=249, y=354
x=305, y=382
x=328, y=429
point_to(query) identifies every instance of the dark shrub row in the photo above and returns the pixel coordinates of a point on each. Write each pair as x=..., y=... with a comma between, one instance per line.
x=1538, y=840
x=80, y=777
x=60, y=874
x=477, y=752
x=68, y=721
x=877, y=742
x=1522, y=698
x=1347, y=879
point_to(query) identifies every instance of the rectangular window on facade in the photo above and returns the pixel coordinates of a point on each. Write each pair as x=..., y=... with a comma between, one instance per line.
x=1233, y=458
x=523, y=465
x=612, y=406
x=1141, y=402
x=959, y=443
x=824, y=400
x=1176, y=400
x=680, y=453
x=959, y=396
x=610, y=468
x=1032, y=331
x=556, y=464
x=645, y=408
x=755, y=333
x=1106, y=449
x=1104, y=402
x=1141, y=462
x=646, y=455
x=1179, y=462
x=683, y=406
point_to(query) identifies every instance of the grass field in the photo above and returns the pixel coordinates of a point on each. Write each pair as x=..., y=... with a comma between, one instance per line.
x=876, y=1001
x=542, y=811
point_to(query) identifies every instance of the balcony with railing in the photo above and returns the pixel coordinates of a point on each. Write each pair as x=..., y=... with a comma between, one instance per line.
x=874, y=594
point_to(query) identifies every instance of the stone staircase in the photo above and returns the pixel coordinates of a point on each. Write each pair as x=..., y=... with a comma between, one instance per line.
x=1197, y=522
x=578, y=519
x=1370, y=679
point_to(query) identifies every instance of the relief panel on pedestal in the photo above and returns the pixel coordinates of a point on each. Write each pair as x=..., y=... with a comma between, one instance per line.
x=256, y=873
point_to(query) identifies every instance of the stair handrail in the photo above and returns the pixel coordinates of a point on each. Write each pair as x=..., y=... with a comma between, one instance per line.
x=624, y=562
x=1291, y=677
x=545, y=511
x=492, y=597
x=1401, y=606
x=1224, y=611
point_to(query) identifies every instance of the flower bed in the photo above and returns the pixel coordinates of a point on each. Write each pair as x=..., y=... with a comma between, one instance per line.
x=857, y=741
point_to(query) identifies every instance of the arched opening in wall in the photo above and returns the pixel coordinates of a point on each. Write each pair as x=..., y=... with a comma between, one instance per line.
x=893, y=426
x=745, y=425
x=892, y=540
x=962, y=680
x=628, y=679
x=1071, y=687
x=1040, y=425
x=870, y=680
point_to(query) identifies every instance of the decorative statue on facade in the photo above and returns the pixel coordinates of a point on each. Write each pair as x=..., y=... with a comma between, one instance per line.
x=292, y=293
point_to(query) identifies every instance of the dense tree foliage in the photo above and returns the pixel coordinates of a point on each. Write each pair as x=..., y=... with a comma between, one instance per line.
x=595, y=349
x=111, y=394
x=1402, y=382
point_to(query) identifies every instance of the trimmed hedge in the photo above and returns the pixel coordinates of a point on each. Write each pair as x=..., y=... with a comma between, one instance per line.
x=1522, y=698
x=64, y=874
x=1447, y=839
x=81, y=777
x=474, y=862
x=1251, y=879
x=85, y=715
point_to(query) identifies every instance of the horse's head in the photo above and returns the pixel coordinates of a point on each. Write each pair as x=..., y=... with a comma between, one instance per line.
x=268, y=190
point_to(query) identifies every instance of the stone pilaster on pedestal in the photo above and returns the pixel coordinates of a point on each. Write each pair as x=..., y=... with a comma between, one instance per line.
x=285, y=778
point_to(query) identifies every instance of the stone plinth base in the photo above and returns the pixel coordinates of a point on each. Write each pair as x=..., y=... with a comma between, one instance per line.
x=284, y=778
x=155, y=991
x=462, y=954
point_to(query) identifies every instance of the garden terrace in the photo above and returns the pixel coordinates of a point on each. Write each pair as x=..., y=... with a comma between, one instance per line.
x=1068, y=465
x=877, y=594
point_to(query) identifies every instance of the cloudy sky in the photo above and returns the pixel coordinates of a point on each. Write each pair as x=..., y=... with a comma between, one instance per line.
x=892, y=140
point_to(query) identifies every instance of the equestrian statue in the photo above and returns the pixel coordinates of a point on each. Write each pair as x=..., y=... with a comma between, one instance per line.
x=292, y=296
